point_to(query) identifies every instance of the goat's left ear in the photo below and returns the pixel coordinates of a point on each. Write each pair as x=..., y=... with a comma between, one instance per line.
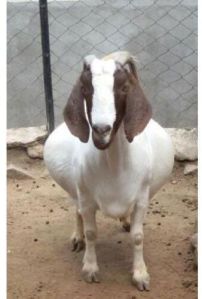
x=74, y=114
x=138, y=109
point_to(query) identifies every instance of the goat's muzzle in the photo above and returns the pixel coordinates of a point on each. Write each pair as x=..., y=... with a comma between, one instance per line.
x=101, y=134
x=102, y=129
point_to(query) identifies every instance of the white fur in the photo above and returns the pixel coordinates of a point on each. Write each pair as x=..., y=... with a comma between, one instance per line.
x=114, y=176
x=103, y=107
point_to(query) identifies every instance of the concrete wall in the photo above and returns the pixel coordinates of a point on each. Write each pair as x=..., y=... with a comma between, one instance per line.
x=162, y=34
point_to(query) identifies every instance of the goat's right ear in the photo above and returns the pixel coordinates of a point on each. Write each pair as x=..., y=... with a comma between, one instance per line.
x=74, y=114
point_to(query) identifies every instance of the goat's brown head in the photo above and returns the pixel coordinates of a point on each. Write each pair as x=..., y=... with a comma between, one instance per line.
x=107, y=93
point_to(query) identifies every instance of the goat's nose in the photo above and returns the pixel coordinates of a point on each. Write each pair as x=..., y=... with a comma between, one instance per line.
x=101, y=129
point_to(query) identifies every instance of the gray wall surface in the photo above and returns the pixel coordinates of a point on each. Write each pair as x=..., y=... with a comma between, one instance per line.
x=161, y=34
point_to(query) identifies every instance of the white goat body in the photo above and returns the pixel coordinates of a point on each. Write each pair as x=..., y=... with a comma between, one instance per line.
x=111, y=178
x=122, y=161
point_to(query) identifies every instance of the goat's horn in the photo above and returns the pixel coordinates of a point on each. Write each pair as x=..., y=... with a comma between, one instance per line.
x=121, y=56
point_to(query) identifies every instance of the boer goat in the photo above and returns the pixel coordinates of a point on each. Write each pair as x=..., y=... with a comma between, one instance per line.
x=109, y=155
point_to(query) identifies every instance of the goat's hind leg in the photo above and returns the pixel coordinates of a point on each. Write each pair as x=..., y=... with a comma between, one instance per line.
x=77, y=238
x=125, y=224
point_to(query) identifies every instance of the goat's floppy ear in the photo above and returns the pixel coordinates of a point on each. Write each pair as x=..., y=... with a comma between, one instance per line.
x=74, y=114
x=138, y=109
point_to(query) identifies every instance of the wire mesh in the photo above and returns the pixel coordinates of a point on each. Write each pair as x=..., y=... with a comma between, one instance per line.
x=161, y=34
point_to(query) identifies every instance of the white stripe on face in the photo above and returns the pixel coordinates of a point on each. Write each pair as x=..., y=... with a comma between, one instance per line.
x=103, y=104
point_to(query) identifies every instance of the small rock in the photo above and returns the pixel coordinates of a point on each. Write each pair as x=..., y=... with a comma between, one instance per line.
x=45, y=174
x=14, y=172
x=174, y=182
x=35, y=151
x=190, y=169
x=155, y=212
x=187, y=283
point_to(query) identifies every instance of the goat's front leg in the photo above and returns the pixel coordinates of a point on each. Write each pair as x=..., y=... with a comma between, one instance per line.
x=90, y=268
x=140, y=275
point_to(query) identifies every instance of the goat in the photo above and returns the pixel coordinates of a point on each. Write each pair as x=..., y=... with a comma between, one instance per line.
x=109, y=154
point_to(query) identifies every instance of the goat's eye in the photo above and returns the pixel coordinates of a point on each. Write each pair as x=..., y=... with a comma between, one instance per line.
x=84, y=89
x=124, y=88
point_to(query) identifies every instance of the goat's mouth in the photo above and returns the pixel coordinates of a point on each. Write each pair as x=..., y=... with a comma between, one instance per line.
x=101, y=142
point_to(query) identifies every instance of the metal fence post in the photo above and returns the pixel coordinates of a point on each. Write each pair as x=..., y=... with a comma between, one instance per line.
x=47, y=65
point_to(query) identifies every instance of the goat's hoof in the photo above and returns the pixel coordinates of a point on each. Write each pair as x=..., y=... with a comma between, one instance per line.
x=125, y=224
x=126, y=227
x=91, y=276
x=141, y=280
x=77, y=244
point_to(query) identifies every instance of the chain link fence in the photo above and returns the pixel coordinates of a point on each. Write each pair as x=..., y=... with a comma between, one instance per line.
x=161, y=34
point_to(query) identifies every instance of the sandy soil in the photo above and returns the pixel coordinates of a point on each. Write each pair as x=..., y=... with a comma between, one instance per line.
x=42, y=265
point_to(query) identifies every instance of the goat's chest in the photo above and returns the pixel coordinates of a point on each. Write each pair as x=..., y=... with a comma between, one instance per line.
x=113, y=192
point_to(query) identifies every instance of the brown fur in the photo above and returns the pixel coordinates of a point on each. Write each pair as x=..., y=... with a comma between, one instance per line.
x=137, y=112
x=74, y=114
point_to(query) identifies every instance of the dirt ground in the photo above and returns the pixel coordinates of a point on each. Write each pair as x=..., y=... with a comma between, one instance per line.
x=42, y=265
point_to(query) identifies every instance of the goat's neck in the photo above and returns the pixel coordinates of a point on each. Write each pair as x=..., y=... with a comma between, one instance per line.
x=118, y=155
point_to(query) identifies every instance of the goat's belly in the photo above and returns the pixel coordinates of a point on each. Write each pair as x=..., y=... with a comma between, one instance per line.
x=116, y=210
x=115, y=206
